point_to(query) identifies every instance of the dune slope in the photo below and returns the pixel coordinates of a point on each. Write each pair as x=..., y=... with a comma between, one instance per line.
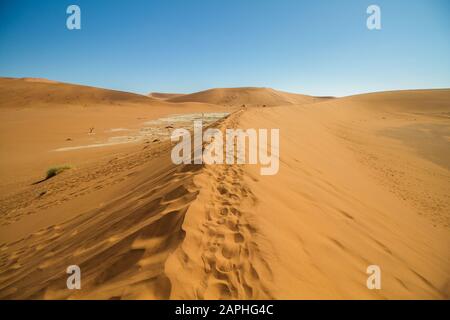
x=245, y=96
x=32, y=93
x=118, y=221
x=164, y=96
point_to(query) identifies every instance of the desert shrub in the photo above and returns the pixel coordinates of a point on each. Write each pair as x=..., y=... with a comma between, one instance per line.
x=53, y=171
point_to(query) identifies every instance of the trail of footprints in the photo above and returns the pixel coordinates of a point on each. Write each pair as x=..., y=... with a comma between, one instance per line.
x=234, y=265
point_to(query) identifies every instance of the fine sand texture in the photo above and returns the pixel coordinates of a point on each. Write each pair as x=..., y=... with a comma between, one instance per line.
x=363, y=180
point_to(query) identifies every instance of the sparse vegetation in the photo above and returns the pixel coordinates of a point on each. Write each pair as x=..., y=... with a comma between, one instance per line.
x=53, y=171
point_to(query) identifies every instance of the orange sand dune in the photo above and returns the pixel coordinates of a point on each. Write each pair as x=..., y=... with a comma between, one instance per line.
x=32, y=93
x=348, y=195
x=164, y=96
x=42, y=80
x=118, y=221
x=245, y=96
x=363, y=180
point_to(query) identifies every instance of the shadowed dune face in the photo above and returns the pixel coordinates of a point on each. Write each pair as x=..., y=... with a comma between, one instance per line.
x=363, y=180
x=245, y=96
x=120, y=244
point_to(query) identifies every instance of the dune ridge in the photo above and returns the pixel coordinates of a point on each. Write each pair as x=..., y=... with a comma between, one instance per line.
x=164, y=95
x=222, y=252
x=249, y=96
x=31, y=92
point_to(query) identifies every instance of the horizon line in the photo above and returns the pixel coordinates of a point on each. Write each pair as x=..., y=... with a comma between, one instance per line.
x=213, y=88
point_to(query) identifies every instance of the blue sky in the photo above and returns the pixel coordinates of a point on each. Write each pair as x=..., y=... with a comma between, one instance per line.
x=320, y=47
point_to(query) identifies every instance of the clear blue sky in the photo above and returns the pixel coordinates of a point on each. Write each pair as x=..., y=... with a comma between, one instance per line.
x=317, y=47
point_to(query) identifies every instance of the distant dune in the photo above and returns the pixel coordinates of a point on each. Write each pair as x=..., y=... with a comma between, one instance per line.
x=164, y=96
x=245, y=96
x=363, y=180
x=421, y=101
x=31, y=92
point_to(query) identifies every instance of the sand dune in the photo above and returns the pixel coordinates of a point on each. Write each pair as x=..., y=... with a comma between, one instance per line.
x=403, y=136
x=32, y=93
x=164, y=96
x=363, y=180
x=41, y=80
x=245, y=96
x=335, y=207
x=424, y=102
x=119, y=222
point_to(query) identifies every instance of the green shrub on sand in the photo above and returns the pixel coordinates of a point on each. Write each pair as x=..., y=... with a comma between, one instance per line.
x=53, y=171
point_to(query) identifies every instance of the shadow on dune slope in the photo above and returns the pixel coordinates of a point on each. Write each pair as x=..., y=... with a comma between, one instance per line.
x=121, y=246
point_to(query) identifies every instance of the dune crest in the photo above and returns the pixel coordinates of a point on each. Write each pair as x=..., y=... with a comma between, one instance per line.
x=164, y=96
x=41, y=80
x=248, y=96
x=33, y=93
